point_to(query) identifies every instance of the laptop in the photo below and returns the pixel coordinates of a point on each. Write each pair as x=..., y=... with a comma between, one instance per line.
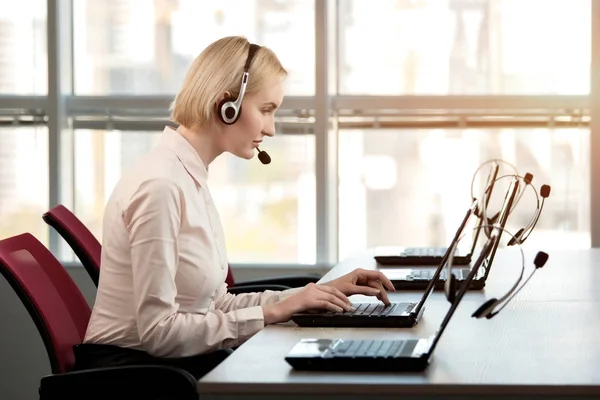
x=432, y=255
x=418, y=278
x=376, y=355
x=376, y=314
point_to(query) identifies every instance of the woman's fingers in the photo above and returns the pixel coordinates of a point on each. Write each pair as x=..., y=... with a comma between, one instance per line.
x=333, y=298
x=366, y=290
x=383, y=295
x=325, y=305
x=386, y=282
x=368, y=275
x=334, y=291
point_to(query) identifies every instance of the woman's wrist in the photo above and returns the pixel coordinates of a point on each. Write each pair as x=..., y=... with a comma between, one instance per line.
x=271, y=314
x=278, y=312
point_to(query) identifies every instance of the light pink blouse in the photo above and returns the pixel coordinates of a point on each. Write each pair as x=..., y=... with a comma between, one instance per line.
x=164, y=262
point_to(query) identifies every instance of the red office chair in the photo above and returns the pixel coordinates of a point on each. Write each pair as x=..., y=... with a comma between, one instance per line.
x=83, y=242
x=88, y=250
x=61, y=315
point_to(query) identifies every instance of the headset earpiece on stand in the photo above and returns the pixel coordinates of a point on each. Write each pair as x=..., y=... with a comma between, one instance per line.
x=491, y=181
x=523, y=233
x=496, y=166
x=487, y=309
x=230, y=108
x=489, y=222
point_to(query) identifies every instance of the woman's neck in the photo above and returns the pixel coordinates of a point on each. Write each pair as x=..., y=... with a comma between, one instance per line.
x=203, y=141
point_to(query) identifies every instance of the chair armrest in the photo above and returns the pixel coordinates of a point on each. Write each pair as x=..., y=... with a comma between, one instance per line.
x=237, y=289
x=142, y=381
x=290, y=281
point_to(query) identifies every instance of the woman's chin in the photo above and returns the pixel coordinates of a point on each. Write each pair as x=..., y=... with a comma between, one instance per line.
x=246, y=154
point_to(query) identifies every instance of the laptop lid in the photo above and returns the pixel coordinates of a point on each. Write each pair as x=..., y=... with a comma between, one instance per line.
x=489, y=188
x=509, y=200
x=490, y=243
x=440, y=267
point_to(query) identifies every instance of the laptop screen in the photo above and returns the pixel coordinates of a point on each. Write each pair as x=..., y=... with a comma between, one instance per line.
x=489, y=188
x=489, y=249
x=503, y=217
x=440, y=267
x=485, y=251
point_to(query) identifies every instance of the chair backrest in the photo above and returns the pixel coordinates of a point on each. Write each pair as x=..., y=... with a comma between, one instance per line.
x=83, y=242
x=54, y=302
x=78, y=236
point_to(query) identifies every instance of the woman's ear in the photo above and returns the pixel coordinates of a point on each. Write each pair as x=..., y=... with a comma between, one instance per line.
x=220, y=100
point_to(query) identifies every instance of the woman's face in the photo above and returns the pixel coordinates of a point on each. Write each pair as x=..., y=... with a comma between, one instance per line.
x=256, y=121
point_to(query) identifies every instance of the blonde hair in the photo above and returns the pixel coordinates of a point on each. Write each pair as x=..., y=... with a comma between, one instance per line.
x=218, y=69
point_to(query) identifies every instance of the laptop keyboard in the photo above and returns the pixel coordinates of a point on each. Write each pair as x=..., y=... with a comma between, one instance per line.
x=426, y=274
x=375, y=309
x=372, y=348
x=425, y=251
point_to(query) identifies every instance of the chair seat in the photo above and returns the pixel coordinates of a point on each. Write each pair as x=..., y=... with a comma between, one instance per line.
x=127, y=382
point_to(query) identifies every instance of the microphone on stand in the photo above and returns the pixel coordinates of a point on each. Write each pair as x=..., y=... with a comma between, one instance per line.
x=263, y=156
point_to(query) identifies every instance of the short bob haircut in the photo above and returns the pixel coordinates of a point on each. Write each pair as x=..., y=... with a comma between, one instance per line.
x=217, y=70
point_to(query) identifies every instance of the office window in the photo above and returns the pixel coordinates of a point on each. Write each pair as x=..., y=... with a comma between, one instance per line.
x=23, y=56
x=23, y=181
x=412, y=187
x=267, y=211
x=146, y=46
x=395, y=47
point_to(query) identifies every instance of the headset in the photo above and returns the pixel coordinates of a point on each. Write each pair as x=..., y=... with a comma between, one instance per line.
x=499, y=220
x=523, y=233
x=495, y=161
x=488, y=308
x=230, y=108
x=485, y=198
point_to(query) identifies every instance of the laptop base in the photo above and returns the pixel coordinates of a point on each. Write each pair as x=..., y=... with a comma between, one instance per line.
x=340, y=320
x=416, y=256
x=403, y=284
x=307, y=320
x=313, y=355
x=419, y=278
x=432, y=261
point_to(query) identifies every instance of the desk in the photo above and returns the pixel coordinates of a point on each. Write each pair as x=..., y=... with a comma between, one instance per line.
x=549, y=283
x=544, y=344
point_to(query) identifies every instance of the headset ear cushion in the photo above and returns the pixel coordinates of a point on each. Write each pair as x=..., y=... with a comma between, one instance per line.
x=484, y=309
x=226, y=107
x=516, y=238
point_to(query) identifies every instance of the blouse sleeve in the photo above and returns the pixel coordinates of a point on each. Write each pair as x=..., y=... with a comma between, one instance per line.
x=227, y=302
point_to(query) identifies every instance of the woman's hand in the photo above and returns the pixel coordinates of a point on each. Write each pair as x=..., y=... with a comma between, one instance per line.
x=312, y=296
x=362, y=281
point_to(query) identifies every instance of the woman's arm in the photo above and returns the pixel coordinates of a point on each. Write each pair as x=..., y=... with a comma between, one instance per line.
x=153, y=218
x=225, y=301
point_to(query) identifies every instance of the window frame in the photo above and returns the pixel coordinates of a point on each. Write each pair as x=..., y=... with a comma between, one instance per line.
x=64, y=112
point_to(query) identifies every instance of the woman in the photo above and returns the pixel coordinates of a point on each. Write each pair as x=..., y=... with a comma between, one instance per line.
x=162, y=296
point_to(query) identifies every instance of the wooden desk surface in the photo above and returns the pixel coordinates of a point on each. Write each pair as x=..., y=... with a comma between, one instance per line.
x=572, y=275
x=544, y=344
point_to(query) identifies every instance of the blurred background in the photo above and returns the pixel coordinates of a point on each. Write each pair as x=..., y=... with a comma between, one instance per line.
x=390, y=108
